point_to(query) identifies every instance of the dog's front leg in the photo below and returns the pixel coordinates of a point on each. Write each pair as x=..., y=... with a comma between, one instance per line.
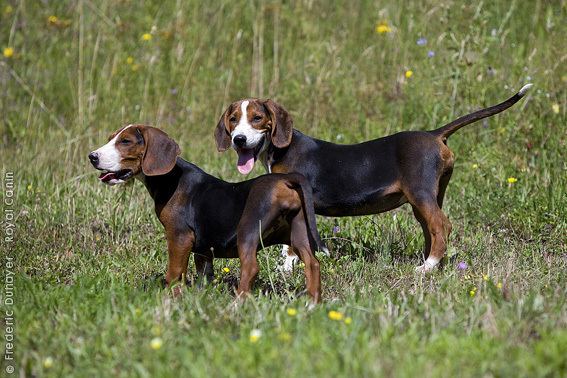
x=179, y=245
x=204, y=267
x=291, y=259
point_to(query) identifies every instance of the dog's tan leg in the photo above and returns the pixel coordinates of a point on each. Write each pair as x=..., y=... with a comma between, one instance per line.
x=179, y=246
x=248, y=265
x=436, y=227
x=300, y=243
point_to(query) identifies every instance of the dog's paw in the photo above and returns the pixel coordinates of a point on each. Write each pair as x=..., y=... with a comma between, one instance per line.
x=428, y=265
x=289, y=263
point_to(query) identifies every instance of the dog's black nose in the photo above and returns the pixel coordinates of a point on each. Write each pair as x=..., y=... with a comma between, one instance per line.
x=239, y=140
x=93, y=157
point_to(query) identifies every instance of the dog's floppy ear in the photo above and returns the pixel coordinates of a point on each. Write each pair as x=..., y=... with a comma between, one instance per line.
x=161, y=151
x=282, y=124
x=222, y=137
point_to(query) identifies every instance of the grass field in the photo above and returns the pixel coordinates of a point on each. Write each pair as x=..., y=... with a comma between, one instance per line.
x=86, y=301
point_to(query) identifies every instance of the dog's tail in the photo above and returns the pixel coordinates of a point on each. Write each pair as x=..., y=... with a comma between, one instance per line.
x=306, y=194
x=447, y=130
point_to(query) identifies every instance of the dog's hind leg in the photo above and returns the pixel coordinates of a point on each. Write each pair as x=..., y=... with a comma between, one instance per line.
x=436, y=228
x=443, y=182
x=300, y=243
x=248, y=264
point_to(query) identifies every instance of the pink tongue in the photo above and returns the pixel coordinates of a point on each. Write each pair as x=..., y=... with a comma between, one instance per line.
x=104, y=177
x=245, y=160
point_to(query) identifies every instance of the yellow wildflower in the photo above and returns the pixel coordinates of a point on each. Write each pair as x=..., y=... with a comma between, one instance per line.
x=255, y=335
x=8, y=52
x=52, y=19
x=146, y=37
x=156, y=343
x=348, y=320
x=291, y=311
x=475, y=166
x=555, y=108
x=472, y=293
x=409, y=73
x=485, y=277
x=383, y=28
x=499, y=285
x=129, y=60
x=48, y=362
x=226, y=270
x=335, y=315
x=512, y=180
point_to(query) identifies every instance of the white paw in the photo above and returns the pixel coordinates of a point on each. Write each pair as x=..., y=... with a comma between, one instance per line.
x=428, y=265
x=289, y=263
x=285, y=249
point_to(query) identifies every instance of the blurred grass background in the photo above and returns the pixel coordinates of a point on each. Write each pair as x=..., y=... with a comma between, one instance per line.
x=74, y=71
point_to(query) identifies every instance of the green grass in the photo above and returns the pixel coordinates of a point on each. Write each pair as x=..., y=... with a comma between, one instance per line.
x=86, y=296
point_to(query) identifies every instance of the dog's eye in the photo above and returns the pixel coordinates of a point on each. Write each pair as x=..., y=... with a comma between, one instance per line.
x=125, y=141
x=257, y=118
x=232, y=119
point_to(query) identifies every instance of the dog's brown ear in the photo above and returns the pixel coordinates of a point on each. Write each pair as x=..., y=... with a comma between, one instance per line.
x=282, y=124
x=222, y=136
x=161, y=151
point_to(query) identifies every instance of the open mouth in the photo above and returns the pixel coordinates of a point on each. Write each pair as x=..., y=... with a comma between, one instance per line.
x=112, y=178
x=247, y=157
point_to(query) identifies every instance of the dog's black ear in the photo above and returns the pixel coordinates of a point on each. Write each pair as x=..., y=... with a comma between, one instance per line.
x=222, y=136
x=282, y=124
x=161, y=151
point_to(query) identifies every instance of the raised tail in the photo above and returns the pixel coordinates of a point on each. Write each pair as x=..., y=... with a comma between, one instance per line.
x=306, y=194
x=447, y=130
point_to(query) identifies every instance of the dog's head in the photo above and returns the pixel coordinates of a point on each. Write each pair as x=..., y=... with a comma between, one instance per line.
x=249, y=126
x=132, y=150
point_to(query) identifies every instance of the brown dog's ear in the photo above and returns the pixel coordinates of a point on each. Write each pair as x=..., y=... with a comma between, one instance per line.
x=222, y=137
x=161, y=151
x=282, y=124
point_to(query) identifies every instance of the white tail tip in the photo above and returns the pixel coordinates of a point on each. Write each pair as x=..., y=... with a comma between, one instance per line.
x=524, y=89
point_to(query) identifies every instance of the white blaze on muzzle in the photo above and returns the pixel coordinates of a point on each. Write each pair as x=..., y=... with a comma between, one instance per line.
x=248, y=153
x=109, y=160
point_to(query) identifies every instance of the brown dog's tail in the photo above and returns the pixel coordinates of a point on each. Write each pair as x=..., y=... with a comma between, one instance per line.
x=447, y=130
x=306, y=194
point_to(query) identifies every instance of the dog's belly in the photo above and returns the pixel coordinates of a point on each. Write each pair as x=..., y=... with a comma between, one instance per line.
x=373, y=204
x=225, y=246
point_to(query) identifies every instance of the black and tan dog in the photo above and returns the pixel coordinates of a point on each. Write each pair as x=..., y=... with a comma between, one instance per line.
x=211, y=217
x=366, y=178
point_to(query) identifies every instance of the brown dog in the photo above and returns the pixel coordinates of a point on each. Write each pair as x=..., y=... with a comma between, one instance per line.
x=211, y=217
x=360, y=179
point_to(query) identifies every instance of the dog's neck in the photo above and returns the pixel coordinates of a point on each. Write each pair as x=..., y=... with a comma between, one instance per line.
x=162, y=187
x=273, y=155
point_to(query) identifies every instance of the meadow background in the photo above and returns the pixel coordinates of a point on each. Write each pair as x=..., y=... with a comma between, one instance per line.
x=87, y=299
